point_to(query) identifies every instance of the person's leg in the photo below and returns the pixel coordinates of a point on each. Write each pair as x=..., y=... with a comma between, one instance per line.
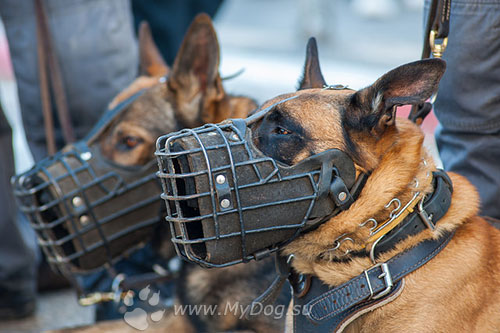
x=97, y=51
x=468, y=103
x=17, y=257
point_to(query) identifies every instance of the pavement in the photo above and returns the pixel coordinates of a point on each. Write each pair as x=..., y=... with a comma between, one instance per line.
x=267, y=39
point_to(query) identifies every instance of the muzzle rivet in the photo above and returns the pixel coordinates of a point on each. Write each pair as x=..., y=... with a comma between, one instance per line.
x=342, y=196
x=220, y=179
x=77, y=201
x=84, y=220
x=225, y=203
x=86, y=156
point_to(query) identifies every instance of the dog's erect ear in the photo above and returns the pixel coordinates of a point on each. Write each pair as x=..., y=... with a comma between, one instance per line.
x=413, y=83
x=197, y=61
x=151, y=61
x=195, y=74
x=312, y=77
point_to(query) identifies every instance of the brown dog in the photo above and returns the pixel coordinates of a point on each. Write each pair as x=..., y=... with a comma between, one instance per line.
x=188, y=95
x=458, y=290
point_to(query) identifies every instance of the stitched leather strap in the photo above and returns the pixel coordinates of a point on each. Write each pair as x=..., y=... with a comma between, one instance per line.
x=339, y=322
x=372, y=282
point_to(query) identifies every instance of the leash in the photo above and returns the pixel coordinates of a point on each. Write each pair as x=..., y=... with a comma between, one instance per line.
x=435, y=41
x=49, y=70
x=121, y=287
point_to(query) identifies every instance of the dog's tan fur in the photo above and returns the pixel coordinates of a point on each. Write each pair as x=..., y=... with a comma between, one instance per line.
x=458, y=290
x=191, y=95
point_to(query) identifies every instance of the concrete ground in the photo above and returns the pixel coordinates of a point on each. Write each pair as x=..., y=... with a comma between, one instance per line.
x=267, y=39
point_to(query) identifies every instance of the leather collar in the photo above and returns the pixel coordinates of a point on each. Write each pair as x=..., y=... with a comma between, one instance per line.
x=323, y=308
x=427, y=213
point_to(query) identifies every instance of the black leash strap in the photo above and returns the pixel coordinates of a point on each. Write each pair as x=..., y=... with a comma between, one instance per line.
x=435, y=40
x=272, y=292
x=437, y=26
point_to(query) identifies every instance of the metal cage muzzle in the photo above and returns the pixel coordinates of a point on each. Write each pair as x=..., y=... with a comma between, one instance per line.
x=229, y=203
x=87, y=211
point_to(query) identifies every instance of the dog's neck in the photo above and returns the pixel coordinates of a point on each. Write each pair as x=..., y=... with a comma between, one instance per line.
x=404, y=169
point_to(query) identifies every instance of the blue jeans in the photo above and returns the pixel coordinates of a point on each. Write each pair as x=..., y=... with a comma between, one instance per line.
x=97, y=50
x=468, y=104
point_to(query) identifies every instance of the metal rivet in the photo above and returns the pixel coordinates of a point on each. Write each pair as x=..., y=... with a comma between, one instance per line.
x=342, y=196
x=84, y=220
x=235, y=137
x=77, y=201
x=225, y=203
x=220, y=179
x=86, y=156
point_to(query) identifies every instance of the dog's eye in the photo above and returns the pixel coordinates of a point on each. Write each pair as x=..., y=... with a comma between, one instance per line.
x=282, y=131
x=130, y=142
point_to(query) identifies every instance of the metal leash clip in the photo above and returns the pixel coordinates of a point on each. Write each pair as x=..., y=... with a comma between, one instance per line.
x=116, y=294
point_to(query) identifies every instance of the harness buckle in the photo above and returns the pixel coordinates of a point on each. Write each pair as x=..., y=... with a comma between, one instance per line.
x=386, y=274
x=426, y=218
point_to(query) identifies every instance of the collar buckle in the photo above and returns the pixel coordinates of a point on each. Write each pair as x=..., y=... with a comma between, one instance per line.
x=426, y=218
x=386, y=274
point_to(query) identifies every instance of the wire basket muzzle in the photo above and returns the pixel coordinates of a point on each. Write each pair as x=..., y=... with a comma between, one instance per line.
x=227, y=202
x=88, y=213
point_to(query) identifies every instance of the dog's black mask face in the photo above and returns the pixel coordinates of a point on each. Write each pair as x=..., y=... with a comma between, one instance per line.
x=280, y=137
x=291, y=131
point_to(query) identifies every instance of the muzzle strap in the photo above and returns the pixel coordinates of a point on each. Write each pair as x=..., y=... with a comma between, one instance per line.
x=273, y=291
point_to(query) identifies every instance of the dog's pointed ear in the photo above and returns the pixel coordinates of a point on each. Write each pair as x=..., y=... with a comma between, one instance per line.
x=195, y=73
x=413, y=83
x=197, y=62
x=312, y=77
x=151, y=62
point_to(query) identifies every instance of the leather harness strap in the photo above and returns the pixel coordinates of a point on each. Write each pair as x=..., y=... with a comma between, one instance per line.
x=47, y=59
x=327, y=308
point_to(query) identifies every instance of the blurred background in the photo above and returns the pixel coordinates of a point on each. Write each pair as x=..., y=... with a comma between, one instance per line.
x=358, y=41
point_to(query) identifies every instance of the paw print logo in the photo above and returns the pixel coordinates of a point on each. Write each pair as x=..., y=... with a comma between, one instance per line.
x=138, y=317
